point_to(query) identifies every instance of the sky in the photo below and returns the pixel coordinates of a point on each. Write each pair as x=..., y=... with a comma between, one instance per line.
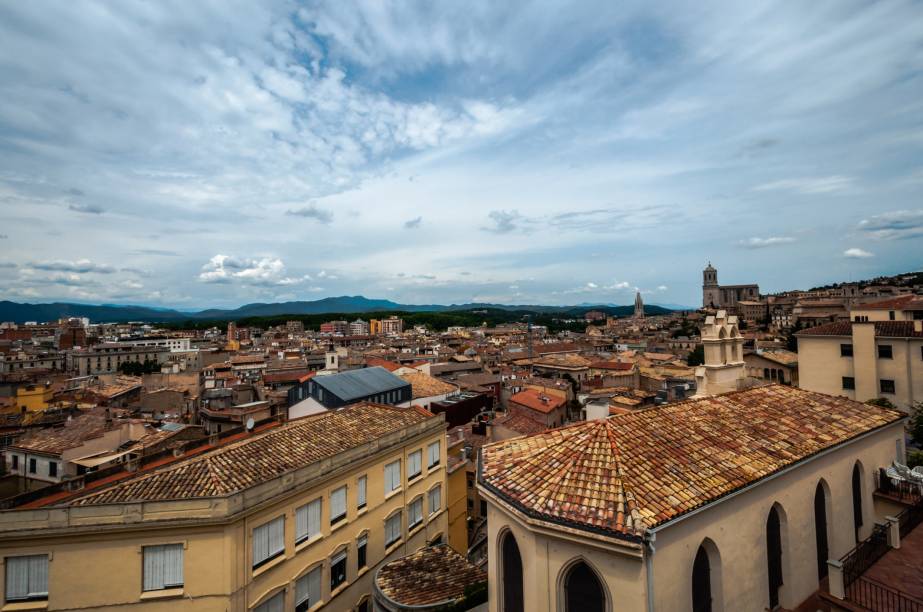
x=213, y=153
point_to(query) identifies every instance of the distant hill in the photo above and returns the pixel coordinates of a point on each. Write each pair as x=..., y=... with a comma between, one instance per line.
x=110, y=313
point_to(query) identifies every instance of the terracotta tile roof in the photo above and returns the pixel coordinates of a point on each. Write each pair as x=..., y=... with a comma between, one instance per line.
x=75, y=432
x=257, y=459
x=901, y=302
x=520, y=423
x=287, y=376
x=423, y=385
x=538, y=401
x=883, y=329
x=431, y=576
x=612, y=365
x=384, y=363
x=626, y=473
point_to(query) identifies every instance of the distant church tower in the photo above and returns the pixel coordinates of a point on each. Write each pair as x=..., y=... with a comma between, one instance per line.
x=711, y=293
x=639, y=306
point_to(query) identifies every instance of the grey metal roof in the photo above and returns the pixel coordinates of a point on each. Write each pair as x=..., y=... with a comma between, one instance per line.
x=355, y=384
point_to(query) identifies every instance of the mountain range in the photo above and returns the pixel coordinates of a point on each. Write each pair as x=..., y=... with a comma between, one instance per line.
x=112, y=313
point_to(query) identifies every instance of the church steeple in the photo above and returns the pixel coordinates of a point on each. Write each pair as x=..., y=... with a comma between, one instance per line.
x=639, y=306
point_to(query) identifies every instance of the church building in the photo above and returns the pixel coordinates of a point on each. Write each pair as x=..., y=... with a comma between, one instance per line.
x=725, y=296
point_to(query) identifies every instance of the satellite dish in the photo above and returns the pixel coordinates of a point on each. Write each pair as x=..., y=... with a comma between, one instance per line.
x=250, y=424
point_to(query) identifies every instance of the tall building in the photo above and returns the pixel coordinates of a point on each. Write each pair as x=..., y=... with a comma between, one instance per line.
x=297, y=517
x=359, y=328
x=233, y=343
x=639, y=306
x=392, y=325
x=725, y=296
x=864, y=360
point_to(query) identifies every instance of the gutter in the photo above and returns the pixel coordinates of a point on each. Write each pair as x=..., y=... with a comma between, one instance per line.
x=649, y=538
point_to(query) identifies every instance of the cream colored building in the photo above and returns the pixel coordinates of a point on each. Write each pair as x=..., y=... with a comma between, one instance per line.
x=724, y=368
x=297, y=517
x=730, y=503
x=902, y=308
x=864, y=360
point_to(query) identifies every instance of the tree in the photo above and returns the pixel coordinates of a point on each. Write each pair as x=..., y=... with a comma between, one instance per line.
x=696, y=357
x=915, y=426
x=882, y=402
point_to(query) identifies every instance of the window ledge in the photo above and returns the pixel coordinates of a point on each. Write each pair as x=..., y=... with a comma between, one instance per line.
x=162, y=594
x=393, y=493
x=25, y=605
x=280, y=558
x=300, y=546
x=390, y=548
x=340, y=523
x=340, y=588
x=362, y=510
x=362, y=571
x=412, y=531
x=414, y=478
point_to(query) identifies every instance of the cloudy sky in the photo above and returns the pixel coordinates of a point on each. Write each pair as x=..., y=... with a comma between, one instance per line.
x=194, y=154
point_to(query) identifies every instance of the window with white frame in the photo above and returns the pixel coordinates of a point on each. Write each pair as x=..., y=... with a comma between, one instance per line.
x=393, y=529
x=435, y=499
x=307, y=590
x=337, y=505
x=268, y=541
x=307, y=520
x=361, y=485
x=393, y=476
x=434, y=454
x=338, y=569
x=415, y=513
x=276, y=603
x=26, y=578
x=163, y=567
x=414, y=464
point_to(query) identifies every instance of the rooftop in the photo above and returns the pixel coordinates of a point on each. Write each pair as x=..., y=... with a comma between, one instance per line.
x=536, y=400
x=423, y=385
x=903, y=302
x=260, y=458
x=434, y=575
x=883, y=329
x=356, y=384
x=621, y=475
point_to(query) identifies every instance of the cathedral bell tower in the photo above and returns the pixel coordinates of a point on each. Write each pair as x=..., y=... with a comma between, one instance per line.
x=711, y=293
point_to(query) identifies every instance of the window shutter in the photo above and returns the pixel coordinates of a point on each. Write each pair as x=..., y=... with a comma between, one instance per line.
x=435, y=500
x=360, y=495
x=173, y=566
x=338, y=503
x=307, y=520
x=340, y=556
x=434, y=454
x=307, y=589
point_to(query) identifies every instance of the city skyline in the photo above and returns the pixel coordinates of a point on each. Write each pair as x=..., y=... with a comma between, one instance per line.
x=196, y=156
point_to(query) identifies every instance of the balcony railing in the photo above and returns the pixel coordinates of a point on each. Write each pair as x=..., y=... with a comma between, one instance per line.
x=873, y=595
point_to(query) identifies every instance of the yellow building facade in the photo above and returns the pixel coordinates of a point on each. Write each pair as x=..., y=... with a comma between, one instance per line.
x=299, y=517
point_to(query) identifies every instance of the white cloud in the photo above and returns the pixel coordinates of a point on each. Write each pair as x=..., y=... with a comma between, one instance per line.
x=81, y=266
x=224, y=268
x=759, y=243
x=810, y=186
x=894, y=225
x=857, y=253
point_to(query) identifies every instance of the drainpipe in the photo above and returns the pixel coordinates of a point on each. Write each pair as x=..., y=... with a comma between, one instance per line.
x=649, y=539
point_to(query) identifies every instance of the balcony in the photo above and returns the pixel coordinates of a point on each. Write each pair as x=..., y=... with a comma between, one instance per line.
x=884, y=572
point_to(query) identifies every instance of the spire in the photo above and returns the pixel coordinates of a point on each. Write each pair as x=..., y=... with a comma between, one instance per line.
x=639, y=306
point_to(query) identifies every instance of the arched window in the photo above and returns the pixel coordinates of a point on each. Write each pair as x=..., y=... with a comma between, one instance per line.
x=701, y=582
x=820, y=530
x=856, y=499
x=774, y=555
x=511, y=574
x=582, y=590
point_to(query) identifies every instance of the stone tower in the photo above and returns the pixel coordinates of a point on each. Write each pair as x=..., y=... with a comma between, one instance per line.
x=724, y=369
x=711, y=293
x=639, y=306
